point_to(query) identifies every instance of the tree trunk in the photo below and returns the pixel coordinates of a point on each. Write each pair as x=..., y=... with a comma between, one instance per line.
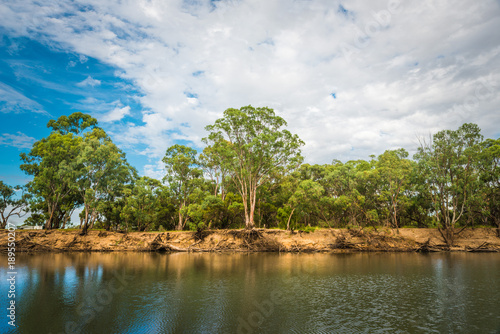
x=253, y=196
x=4, y=222
x=180, y=224
x=448, y=235
x=289, y=218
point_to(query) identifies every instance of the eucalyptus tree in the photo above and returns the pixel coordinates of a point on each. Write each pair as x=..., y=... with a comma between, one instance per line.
x=77, y=164
x=306, y=200
x=394, y=170
x=10, y=204
x=183, y=177
x=343, y=185
x=258, y=148
x=450, y=163
x=214, y=165
x=102, y=170
x=141, y=203
x=490, y=176
x=75, y=123
x=54, y=166
x=52, y=163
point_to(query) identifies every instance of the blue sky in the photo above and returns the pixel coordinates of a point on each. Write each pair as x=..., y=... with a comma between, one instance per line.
x=352, y=78
x=41, y=82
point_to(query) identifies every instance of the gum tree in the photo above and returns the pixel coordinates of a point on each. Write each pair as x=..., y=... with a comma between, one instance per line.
x=102, y=168
x=254, y=146
x=394, y=171
x=490, y=176
x=10, y=205
x=52, y=163
x=182, y=176
x=450, y=163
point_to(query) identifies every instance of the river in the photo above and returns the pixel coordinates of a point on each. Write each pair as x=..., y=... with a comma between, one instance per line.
x=253, y=293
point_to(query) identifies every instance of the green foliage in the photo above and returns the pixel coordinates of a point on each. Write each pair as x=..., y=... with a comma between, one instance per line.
x=250, y=174
x=12, y=205
x=53, y=164
x=103, y=170
x=183, y=177
x=75, y=123
x=450, y=165
x=73, y=167
x=140, y=209
x=393, y=171
x=254, y=148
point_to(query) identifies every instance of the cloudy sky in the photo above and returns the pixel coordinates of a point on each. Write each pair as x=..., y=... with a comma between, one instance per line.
x=352, y=78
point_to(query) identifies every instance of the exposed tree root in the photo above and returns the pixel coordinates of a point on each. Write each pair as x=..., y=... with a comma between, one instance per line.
x=485, y=247
x=426, y=247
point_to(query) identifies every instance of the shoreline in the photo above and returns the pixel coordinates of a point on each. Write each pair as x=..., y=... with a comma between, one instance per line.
x=257, y=240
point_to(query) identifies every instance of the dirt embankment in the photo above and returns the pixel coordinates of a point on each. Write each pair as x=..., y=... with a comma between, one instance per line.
x=326, y=240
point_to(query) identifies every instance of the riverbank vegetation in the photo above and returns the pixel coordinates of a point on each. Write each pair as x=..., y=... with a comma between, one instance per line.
x=251, y=174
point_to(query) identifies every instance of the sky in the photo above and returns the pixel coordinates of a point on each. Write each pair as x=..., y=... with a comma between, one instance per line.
x=351, y=78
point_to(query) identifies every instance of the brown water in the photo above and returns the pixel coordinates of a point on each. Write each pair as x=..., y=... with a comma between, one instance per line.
x=254, y=293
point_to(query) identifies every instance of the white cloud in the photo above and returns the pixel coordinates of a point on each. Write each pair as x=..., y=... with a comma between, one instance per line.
x=413, y=69
x=104, y=111
x=115, y=114
x=13, y=101
x=18, y=140
x=89, y=82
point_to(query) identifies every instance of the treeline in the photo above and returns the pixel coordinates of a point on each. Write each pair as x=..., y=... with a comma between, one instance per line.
x=251, y=174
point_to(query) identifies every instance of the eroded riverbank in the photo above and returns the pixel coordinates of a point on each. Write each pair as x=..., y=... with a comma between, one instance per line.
x=325, y=240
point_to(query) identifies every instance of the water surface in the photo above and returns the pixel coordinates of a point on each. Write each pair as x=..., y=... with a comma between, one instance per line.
x=254, y=293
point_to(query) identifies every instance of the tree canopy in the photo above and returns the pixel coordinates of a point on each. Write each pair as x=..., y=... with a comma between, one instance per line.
x=250, y=174
x=256, y=148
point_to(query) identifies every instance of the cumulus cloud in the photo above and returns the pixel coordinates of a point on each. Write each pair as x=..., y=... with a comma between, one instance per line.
x=18, y=140
x=396, y=69
x=116, y=114
x=89, y=82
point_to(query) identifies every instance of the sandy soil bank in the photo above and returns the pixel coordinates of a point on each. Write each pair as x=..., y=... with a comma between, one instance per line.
x=326, y=240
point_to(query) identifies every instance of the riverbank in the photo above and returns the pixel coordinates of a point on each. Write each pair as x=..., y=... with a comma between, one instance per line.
x=265, y=240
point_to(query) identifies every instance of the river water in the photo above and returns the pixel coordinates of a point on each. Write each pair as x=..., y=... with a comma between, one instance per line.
x=253, y=293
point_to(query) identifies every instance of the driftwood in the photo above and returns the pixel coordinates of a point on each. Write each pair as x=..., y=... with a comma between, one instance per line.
x=342, y=243
x=426, y=247
x=483, y=248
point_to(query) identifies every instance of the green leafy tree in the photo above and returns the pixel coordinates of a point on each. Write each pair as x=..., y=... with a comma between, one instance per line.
x=75, y=123
x=183, y=176
x=213, y=163
x=258, y=149
x=450, y=165
x=490, y=177
x=344, y=182
x=10, y=204
x=306, y=199
x=102, y=169
x=141, y=206
x=394, y=170
x=52, y=163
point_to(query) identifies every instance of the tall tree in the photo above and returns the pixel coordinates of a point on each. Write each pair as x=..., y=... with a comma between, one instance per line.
x=67, y=167
x=10, y=205
x=182, y=176
x=306, y=199
x=450, y=164
x=102, y=169
x=490, y=176
x=212, y=162
x=75, y=123
x=52, y=163
x=258, y=148
x=394, y=170
x=141, y=206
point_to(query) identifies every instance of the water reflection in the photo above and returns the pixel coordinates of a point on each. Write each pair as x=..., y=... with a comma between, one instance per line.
x=256, y=293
